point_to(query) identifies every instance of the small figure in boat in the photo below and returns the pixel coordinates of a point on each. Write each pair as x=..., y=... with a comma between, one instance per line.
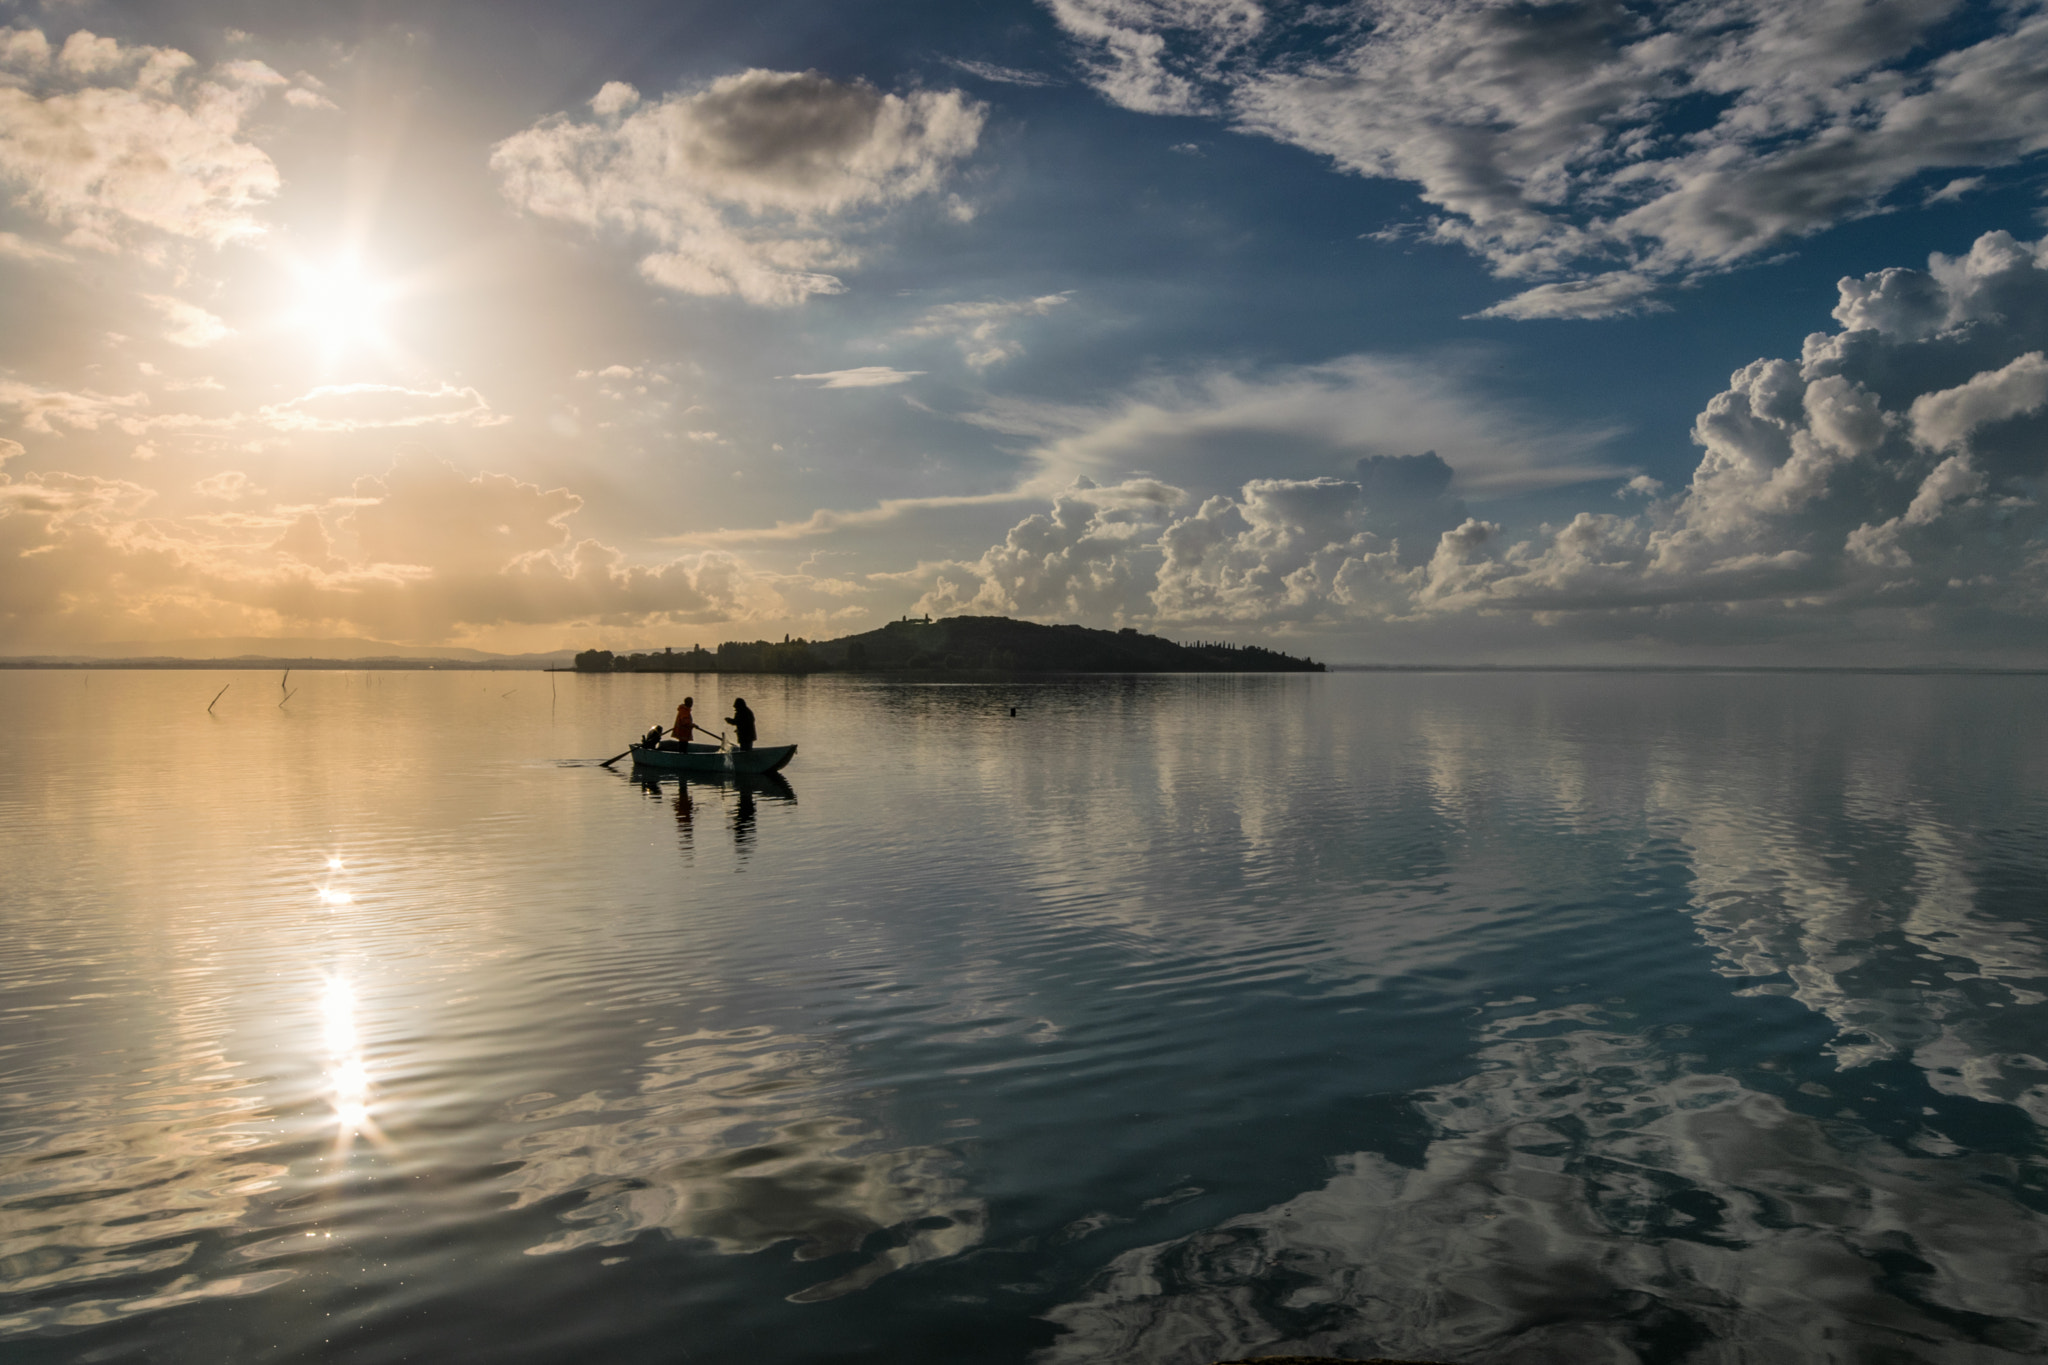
x=679, y=737
x=742, y=722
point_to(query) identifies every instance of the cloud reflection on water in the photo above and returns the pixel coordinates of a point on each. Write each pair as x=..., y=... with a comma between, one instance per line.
x=1594, y=1195
x=728, y=1142
x=1588, y=1197
x=127, y=1196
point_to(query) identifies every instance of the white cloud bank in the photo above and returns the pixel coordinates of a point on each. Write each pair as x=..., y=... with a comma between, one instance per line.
x=1592, y=150
x=751, y=186
x=420, y=553
x=110, y=142
x=1892, y=475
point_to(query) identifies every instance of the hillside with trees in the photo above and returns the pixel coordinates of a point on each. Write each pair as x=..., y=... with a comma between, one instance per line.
x=990, y=644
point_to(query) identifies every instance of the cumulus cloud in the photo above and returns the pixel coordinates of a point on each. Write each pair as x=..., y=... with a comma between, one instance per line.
x=751, y=186
x=1281, y=549
x=1092, y=559
x=103, y=140
x=978, y=328
x=861, y=377
x=1945, y=420
x=1563, y=142
x=1892, y=475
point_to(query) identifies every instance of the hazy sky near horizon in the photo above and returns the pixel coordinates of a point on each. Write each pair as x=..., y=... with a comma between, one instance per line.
x=1384, y=331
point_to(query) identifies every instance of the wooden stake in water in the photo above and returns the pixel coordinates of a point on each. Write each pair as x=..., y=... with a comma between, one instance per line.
x=217, y=696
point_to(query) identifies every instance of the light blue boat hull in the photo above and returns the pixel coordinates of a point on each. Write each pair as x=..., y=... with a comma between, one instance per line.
x=708, y=758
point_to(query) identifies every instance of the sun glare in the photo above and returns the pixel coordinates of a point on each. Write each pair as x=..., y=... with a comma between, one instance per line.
x=341, y=304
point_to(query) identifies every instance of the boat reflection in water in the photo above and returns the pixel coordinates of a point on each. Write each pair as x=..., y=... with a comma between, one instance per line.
x=693, y=790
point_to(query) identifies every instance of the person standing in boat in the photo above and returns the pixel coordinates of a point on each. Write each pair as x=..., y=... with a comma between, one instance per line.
x=684, y=724
x=742, y=722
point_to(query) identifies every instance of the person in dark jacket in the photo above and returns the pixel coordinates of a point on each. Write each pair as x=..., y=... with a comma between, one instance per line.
x=742, y=722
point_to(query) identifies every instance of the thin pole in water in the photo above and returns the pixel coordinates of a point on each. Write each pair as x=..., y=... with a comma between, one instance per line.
x=217, y=696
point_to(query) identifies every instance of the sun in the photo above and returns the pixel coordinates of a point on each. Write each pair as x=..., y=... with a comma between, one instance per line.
x=340, y=303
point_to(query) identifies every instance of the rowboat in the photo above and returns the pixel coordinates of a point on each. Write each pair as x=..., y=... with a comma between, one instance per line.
x=709, y=758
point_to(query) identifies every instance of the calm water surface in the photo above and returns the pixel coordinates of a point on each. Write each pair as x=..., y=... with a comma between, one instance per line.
x=1477, y=1017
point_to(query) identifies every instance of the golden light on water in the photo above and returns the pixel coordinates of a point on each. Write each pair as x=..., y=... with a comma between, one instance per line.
x=332, y=896
x=348, y=1072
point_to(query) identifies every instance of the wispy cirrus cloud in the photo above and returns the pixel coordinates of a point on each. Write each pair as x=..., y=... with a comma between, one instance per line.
x=980, y=328
x=326, y=409
x=358, y=407
x=44, y=410
x=15, y=247
x=1561, y=143
x=1004, y=75
x=860, y=377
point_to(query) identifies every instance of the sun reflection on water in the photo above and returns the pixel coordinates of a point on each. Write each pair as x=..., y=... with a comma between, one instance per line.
x=330, y=895
x=348, y=1073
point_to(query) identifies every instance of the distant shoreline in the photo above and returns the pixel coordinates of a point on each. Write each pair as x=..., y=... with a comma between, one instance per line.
x=247, y=664
x=1901, y=669
x=265, y=665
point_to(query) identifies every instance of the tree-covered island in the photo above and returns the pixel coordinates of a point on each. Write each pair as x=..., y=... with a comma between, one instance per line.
x=994, y=644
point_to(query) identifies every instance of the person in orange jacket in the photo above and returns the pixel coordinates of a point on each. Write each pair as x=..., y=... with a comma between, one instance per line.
x=684, y=724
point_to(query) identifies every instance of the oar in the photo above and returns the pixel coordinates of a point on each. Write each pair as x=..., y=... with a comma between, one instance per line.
x=701, y=730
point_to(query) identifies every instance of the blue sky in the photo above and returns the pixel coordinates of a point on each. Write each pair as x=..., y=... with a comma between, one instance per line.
x=1385, y=332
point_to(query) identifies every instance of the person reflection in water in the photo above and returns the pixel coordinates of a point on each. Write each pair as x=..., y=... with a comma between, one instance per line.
x=742, y=722
x=685, y=812
x=743, y=818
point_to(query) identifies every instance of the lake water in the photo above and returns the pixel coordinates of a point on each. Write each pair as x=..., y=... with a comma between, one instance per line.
x=1478, y=1018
